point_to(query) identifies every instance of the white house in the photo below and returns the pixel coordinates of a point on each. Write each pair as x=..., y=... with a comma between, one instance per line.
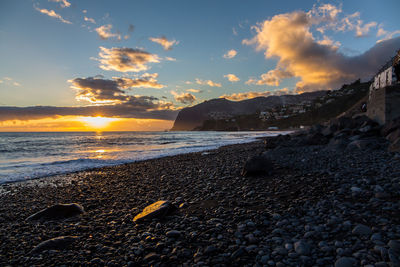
x=388, y=74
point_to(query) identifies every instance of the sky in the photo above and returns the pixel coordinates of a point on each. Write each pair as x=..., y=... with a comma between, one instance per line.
x=69, y=65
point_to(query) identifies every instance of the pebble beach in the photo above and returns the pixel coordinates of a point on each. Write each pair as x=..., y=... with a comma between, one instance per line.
x=319, y=205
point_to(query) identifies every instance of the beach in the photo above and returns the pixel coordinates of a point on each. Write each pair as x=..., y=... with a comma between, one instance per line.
x=318, y=205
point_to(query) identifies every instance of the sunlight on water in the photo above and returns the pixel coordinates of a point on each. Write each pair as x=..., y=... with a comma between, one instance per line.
x=30, y=155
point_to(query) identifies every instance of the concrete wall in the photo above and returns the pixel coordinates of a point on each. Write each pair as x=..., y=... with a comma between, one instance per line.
x=392, y=102
x=376, y=105
x=384, y=104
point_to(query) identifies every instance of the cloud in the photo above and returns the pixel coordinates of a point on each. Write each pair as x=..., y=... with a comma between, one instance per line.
x=331, y=18
x=232, y=77
x=170, y=59
x=138, y=107
x=208, y=82
x=184, y=98
x=131, y=28
x=287, y=37
x=110, y=100
x=272, y=77
x=9, y=81
x=230, y=54
x=248, y=95
x=386, y=35
x=63, y=3
x=104, y=91
x=90, y=20
x=125, y=59
x=53, y=14
x=105, y=33
x=194, y=90
x=163, y=41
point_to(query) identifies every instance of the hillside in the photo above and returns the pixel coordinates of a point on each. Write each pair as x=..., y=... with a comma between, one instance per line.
x=332, y=104
x=222, y=109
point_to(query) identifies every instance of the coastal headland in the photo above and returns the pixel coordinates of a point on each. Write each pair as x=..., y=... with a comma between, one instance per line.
x=328, y=196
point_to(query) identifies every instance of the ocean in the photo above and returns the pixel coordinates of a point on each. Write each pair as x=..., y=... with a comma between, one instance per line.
x=31, y=155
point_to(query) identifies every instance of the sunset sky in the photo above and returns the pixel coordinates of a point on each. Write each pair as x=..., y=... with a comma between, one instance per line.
x=137, y=63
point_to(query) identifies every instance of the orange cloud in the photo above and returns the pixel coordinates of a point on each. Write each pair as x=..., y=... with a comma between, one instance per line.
x=63, y=3
x=184, y=98
x=317, y=63
x=208, y=82
x=249, y=95
x=230, y=54
x=53, y=14
x=105, y=33
x=163, y=41
x=104, y=91
x=232, y=77
x=125, y=59
x=90, y=20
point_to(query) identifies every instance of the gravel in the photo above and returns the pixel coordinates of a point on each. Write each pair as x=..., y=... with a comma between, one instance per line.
x=317, y=207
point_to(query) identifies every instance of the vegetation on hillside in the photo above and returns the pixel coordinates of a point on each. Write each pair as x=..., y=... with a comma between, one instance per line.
x=321, y=110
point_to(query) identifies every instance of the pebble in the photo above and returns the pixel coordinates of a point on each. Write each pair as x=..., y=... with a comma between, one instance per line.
x=345, y=262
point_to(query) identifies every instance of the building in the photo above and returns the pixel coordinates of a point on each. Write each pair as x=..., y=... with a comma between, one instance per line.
x=388, y=75
x=384, y=93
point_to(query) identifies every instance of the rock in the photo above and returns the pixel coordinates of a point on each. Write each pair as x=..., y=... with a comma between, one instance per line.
x=315, y=139
x=152, y=256
x=57, y=243
x=257, y=165
x=173, y=234
x=395, y=246
x=363, y=144
x=156, y=210
x=345, y=262
x=237, y=253
x=362, y=230
x=395, y=146
x=58, y=211
x=302, y=248
x=209, y=250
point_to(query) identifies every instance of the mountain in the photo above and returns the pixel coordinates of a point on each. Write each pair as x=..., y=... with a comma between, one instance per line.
x=192, y=117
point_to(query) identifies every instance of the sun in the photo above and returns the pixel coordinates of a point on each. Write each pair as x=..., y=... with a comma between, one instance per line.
x=97, y=122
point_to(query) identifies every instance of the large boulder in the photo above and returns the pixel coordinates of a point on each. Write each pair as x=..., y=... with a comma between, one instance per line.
x=255, y=165
x=364, y=144
x=58, y=211
x=58, y=243
x=156, y=210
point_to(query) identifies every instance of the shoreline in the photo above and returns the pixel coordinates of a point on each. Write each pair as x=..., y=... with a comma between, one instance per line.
x=62, y=178
x=319, y=204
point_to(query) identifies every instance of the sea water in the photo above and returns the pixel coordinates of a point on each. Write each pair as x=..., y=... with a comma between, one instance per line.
x=26, y=156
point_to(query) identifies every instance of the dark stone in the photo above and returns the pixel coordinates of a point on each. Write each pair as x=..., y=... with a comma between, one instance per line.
x=395, y=146
x=156, y=210
x=345, y=262
x=390, y=127
x=210, y=250
x=58, y=211
x=393, y=136
x=237, y=253
x=315, y=139
x=345, y=122
x=152, y=256
x=257, y=165
x=364, y=144
x=58, y=243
